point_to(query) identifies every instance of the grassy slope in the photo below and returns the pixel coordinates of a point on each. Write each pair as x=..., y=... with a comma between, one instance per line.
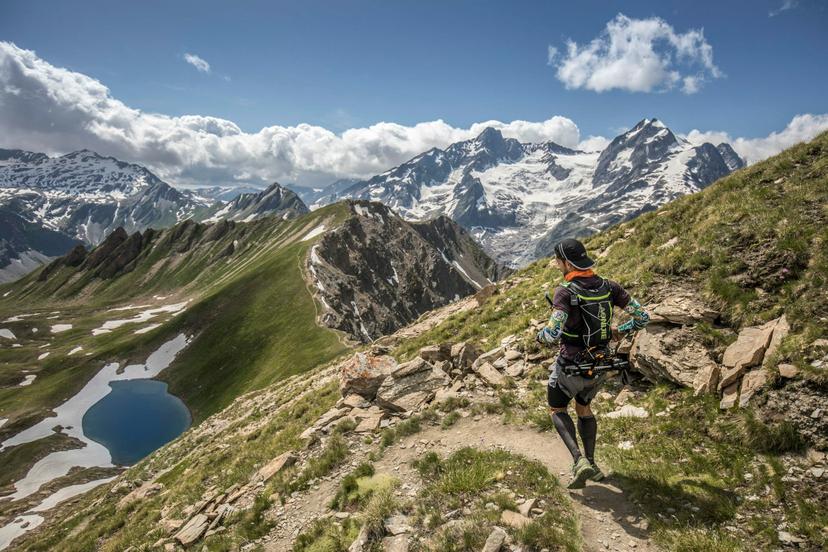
x=764, y=227
x=253, y=319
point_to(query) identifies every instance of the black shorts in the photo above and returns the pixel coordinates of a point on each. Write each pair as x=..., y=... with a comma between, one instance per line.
x=556, y=398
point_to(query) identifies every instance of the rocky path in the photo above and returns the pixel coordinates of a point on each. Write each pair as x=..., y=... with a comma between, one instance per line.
x=608, y=520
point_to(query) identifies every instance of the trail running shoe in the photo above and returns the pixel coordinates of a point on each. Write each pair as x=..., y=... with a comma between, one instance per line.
x=599, y=475
x=581, y=471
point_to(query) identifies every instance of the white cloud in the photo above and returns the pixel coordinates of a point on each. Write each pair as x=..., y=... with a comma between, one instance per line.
x=786, y=5
x=51, y=109
x=551, y=55
x=801, y=128
x=197, y=62
x=593, y=143
x=638, y=55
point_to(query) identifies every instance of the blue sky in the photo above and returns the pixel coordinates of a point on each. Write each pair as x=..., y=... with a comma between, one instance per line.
x=343, y=64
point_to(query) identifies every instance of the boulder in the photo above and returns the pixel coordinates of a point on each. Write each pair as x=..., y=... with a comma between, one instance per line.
x=436, y=353
x=788, y=371
x=526, y=507
x=464, y=355
x=515, y=370
x=146, y=490
x=489, y=356
x=729, y=396
x=363, y=374
x=361, y=541
x=751, y=383
x=398, y=525
x=514, y=519
x=490, y=375
x=284, y=460
x=495, y=540
x=780, y=330
x=669, y=353
x=398, y=543
x=707, y=379
x=354, y=401
x=512, y=354
x=370, y=423
x=330, y=416
x=629, y=411
x=683, y=309
x=749, y=348
x=192, y=530
x=411, y=386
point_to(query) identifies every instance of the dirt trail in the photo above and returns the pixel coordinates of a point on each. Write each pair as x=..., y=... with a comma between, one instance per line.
x=608, y=521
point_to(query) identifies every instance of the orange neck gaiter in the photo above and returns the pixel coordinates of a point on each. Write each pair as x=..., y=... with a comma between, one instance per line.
x=579, y=274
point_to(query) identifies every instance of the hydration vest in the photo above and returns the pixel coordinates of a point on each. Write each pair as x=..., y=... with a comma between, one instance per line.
x=595, y=307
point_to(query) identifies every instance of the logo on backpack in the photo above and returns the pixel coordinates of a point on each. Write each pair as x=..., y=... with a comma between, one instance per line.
x=595, y=307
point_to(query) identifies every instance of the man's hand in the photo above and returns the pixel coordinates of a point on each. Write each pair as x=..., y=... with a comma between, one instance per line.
x=617, y=335
x=547, y=337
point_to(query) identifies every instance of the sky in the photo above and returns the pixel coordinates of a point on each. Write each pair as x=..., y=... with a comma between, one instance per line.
x=207, y=92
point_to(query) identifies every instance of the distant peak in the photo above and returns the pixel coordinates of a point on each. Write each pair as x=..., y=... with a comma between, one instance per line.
x=82, y=153
x=490, y=134
x=648, y=123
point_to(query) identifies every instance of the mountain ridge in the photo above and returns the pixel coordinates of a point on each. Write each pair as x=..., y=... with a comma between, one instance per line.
x=517, y=198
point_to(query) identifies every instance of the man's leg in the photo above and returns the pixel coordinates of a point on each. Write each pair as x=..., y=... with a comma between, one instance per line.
x=587, y=429
x=558, y=402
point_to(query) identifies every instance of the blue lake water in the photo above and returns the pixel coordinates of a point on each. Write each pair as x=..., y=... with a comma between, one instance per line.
x=135, y=418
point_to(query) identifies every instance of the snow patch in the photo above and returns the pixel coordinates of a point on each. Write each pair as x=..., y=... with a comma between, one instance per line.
x=43, y=355
x=68, y=492
x=57, y=328
x=142, y=316
x=313, y=233
x=7, y=333
x=75, y=350
x=27, y=380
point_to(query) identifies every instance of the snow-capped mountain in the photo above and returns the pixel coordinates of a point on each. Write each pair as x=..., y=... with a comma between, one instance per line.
x=276, y=201
x=319, y=197
x=48, y=204
x=518, y=199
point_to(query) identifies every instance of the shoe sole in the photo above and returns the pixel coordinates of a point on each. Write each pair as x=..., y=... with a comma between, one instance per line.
x=579, y=482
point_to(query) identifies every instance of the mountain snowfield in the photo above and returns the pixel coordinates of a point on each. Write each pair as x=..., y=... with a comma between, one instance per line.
x=517, y=198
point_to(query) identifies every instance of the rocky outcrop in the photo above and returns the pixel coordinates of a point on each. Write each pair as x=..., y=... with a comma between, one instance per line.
x=364, y=373
x=411, y=385
x=376, y=272
x=665, y=353
x=671, y=349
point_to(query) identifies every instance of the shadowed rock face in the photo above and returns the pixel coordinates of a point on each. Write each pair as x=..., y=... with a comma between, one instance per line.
x=378, y=272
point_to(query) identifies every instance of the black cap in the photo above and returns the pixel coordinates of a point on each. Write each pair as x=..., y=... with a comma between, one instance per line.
x=574, y=251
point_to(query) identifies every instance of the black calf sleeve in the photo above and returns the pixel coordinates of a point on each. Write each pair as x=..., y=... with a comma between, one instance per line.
x=588, y=430
x=566, y=429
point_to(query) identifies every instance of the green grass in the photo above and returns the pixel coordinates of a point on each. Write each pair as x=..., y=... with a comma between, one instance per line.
x=251, y=315
x=686, y=471
x=472, y=478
